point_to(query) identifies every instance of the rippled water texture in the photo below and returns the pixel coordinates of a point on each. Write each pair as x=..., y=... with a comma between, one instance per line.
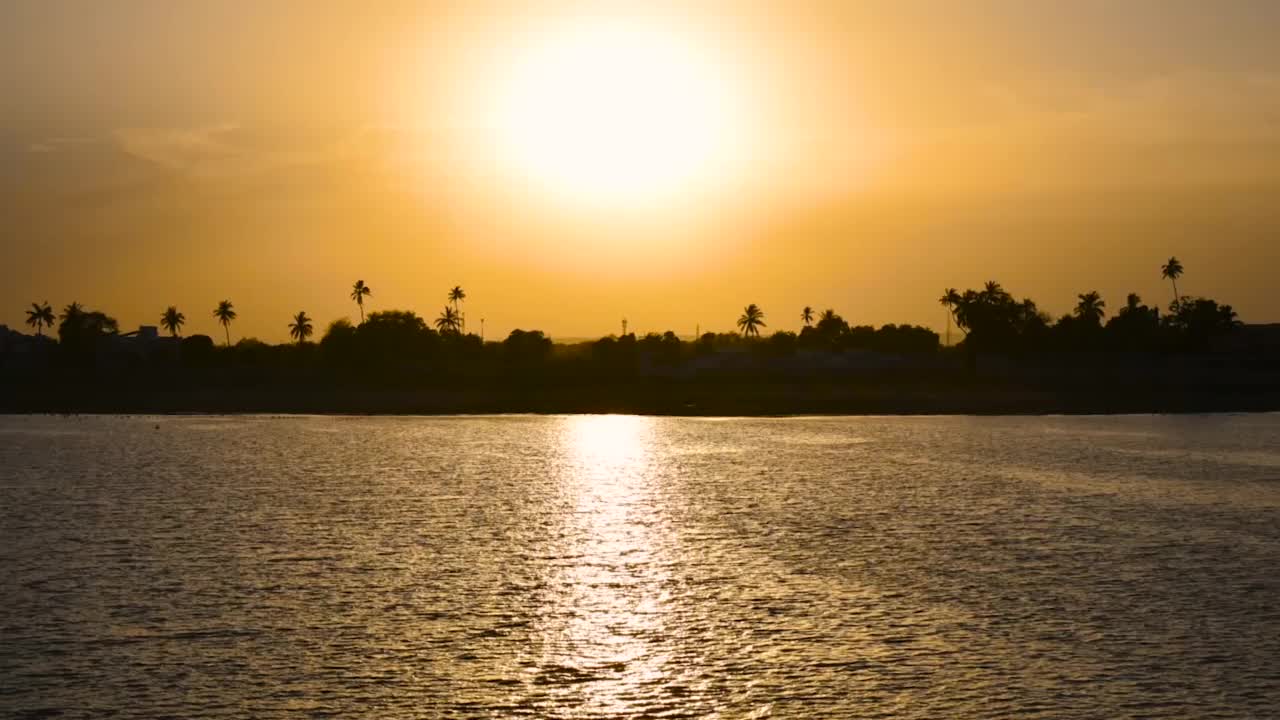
x=602, y=566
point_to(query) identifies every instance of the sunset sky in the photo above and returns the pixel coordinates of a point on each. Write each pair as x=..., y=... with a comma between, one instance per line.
x=570, y=164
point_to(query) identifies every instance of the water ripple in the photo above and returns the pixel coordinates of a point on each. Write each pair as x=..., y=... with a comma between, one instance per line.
x=598, y=566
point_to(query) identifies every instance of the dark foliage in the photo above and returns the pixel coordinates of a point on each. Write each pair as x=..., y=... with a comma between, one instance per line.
x=400, y=347
x=996, y=323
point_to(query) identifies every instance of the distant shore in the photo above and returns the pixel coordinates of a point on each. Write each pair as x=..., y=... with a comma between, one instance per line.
x=651, y=398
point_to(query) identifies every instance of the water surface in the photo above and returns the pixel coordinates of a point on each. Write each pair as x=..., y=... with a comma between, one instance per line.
x=614, y=566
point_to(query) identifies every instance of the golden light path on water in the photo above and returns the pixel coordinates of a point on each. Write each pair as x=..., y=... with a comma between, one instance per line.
x=609, y=606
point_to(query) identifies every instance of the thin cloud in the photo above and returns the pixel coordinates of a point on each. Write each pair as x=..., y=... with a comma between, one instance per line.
x=57, y=144
x=1182, y=107
x=177, y=149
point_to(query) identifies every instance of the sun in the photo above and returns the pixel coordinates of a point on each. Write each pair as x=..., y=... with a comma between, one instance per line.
x=613, y=114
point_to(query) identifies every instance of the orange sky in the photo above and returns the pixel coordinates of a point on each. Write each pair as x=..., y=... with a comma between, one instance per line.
x=156, y=153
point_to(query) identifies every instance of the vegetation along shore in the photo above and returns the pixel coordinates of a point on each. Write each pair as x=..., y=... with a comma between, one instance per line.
x=1195, y=355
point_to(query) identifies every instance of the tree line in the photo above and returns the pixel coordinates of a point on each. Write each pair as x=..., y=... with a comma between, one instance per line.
x=994, y=321
x=990, y=318
x=76, y=321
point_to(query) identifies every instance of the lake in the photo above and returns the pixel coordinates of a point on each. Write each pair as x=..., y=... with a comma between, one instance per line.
x=622, y=566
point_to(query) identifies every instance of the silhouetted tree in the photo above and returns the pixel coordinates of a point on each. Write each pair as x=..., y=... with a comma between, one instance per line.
x=993, y=320
x=300, y=328
x=197, y=350
x=1091, y=308
x=706, y=344
x=669, y=350
x=1135, y=327
x=76, y=319
x=830, y=325
x=225, y=313
x=616, y=355
x=904, y=339
x=1199, y=320
x=604, y=352
x=806, y=316
x=663, y=349
x=861, y=337
x=99, y=323
x=40, y=317
x=397, y=339
x=751, y=321
x=359, y=292
x=172, y=320
x=457, y=295
x=448, y=321
x=527, y=350
x=949, y=298
x=71, y=312
x=781, y=343
x=1171, y=271
x=338, y=346
x=81, y=329
x=252, y=352
x=1073, y=333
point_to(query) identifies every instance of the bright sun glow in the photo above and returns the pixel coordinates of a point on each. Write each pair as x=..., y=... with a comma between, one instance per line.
x=613, y=114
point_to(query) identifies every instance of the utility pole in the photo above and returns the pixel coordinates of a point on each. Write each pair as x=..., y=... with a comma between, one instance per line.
x=624, y=327
x=481, y=331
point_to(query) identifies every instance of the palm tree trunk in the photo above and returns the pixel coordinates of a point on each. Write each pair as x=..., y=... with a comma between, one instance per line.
x=361, y=312
x=227, y=331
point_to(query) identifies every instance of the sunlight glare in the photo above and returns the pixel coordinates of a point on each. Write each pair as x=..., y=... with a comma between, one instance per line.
x=613, y=114
x=608, y=618
x=608, y=445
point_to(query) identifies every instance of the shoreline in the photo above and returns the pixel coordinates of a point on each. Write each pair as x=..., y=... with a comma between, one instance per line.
x=774, y=416
x=733, y=400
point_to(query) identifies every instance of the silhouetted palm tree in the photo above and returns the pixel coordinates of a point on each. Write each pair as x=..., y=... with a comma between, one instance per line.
x=172, y=320
x=1091, y=307
x=950, y=298
x=448, y=321
x=225, y=313
x=359, y=292
x=807, y=315
x=1171, y=271
x=751, y=321
x=300, y=329
x=456, y=295
x=72, y=312
x=40, y=317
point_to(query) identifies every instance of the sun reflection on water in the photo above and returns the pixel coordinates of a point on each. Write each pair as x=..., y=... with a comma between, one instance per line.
x=608, y=443
x=603, y=623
